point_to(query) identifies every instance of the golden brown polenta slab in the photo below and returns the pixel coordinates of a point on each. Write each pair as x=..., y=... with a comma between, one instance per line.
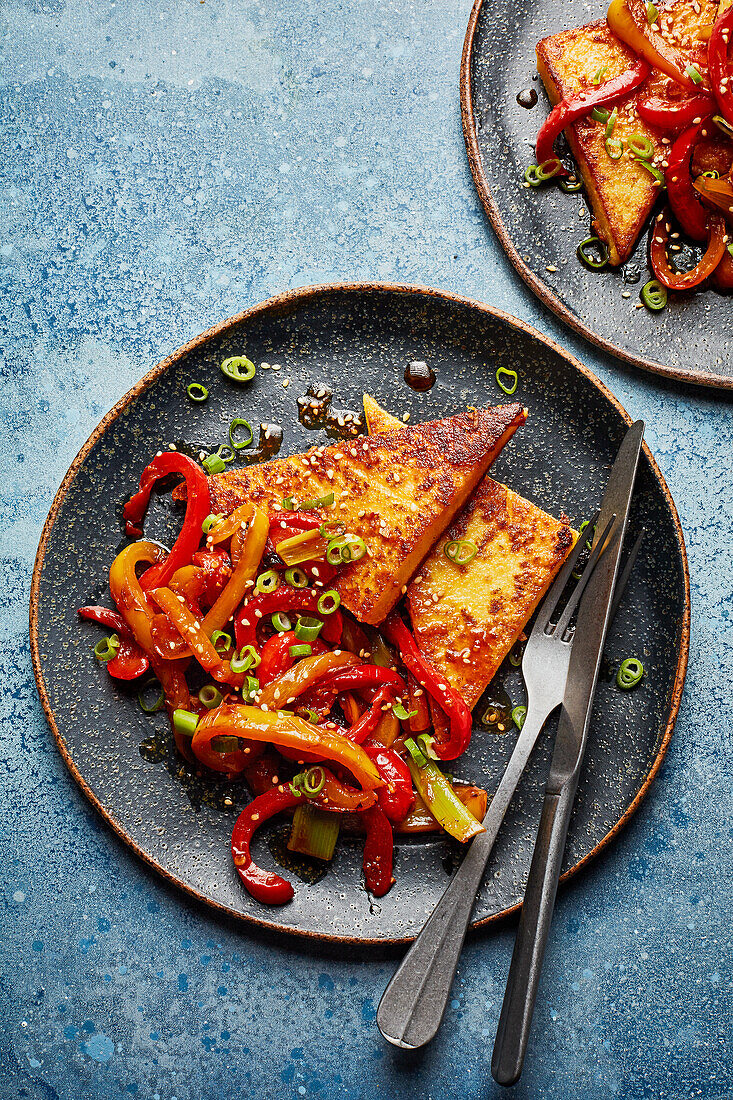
x=467, y=618
x=398, y=492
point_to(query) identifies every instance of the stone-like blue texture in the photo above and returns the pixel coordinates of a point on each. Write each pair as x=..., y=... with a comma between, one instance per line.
x=166, y=163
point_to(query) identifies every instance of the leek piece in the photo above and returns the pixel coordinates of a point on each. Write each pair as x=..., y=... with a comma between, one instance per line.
x=306, y=546
x=437, y=793
x=314, y=831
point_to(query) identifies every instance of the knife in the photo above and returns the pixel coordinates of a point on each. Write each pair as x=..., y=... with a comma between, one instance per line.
x=594, y=615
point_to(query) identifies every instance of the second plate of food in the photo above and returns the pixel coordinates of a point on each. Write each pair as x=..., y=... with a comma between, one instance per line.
x=504, y=104
x=315, y=353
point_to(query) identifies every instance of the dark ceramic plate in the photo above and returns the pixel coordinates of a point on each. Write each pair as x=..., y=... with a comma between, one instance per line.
x=692, y=339
x=354, y=338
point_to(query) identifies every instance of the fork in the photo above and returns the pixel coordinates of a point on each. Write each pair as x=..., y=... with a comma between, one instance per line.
x=413, y=1004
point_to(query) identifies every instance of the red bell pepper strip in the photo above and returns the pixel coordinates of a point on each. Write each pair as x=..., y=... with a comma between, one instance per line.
x=576, y=106
x=276, y=656
x=130, y=661
x=286, y=600
x=674, y=115
x=378, y=851
x=687, y=208
x=365, y=726
x=397, y=797
x=197, y=509
x=264, y=886
x=361, y=676
x=217, y=569
x=717, y=238
x=721, y=71
x=447, y=697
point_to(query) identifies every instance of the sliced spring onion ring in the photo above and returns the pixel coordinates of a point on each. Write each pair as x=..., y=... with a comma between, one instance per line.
x=106, y=648
x=221, y=636
x=196, y=392
x=331, y=529
x=548, y=169
x=151, y=705
x=518, y=716
x=249, y=658
x=571, y=184
x=530, y=175
x=307, y=629
x=213, y=464
x=694, y=74
x=599, y=74
x=515, y=655
x=399, y=712
x=654, y=295
x=281, y=622
x=239, y=368
x=211, y=521
x=210, y=696
x=614, y=148
x=600, y=114
x=652, y=13
x=629, y=673
x=296, y=578
x=313, y=781
x=589, y=260
x=611, y=122
x=328, y=602
x=345, y=549
x=460, y=551
x=291, y=505
x=309, y=715
x=237, y=444
x=302, y=650
x=185, y=722
x=250, y=687
x=653, y=171
x=267, y=582
x=640, y=146
x=416, y=752
x=513, y=380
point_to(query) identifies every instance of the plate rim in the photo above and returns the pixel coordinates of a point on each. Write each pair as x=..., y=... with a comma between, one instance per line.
x=537, y=285
x=277, y=302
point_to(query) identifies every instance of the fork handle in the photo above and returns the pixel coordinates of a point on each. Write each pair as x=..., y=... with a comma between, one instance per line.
x=413, y=1004
x=515, y=1020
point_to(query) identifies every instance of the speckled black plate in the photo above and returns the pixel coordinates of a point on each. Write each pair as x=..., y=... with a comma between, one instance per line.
x=692, y=339
x=354, y=338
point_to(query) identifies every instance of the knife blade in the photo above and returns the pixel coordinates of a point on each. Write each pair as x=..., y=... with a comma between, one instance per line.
x=594, y=615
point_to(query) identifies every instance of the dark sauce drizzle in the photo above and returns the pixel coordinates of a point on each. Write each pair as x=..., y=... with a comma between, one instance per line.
x=419, y=376
x=317, y=413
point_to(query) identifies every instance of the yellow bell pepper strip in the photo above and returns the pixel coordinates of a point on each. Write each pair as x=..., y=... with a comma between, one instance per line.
x=302, y=676
x=628, y=21
x=192, y=632
x=284, y=730
x=244, y=571
x=436, y=791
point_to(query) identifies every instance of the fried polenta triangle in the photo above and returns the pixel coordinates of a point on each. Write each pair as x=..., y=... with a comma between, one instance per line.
x=397, y=492
x=466, y=618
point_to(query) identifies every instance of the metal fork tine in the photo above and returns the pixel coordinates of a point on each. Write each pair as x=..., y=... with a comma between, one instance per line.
x=550, y=602
x=598, y=548
x=624, y=578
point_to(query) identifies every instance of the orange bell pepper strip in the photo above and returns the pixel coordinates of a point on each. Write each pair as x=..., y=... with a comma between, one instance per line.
x=628, y=21
x=244, y=571
x=224, y=530
x=286, y=688
x=277, y=728
x=192, y=632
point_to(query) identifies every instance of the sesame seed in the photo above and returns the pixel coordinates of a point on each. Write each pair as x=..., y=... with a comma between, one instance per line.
x=286, y=383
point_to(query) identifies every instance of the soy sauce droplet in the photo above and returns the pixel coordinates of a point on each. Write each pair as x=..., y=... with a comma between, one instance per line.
x=527, y=98
x=419, y=376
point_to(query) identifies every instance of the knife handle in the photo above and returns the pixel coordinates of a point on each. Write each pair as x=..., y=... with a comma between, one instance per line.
x=515, y=1020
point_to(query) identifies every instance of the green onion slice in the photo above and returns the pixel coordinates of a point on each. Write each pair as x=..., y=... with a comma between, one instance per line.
x=570, y=184
x=460, y=551
x=210, y=696
x=212, y=464
x=345, y=549
x=225, y=742
x=237, y=444
x=712, y=174
x=730, y=247
x=305, y=649
x=106, y=648
x=694, y=74
x=313, y=781
x=399, y=712
x=296, y=577
x=267, y=582
x=640, y=146
x=518, y=716
x=599, y=74
x=513, y=380
x=281, y=622
x=250, y=687
x=723, y=125
x=653, y=171
x=548, y=169
x=197, y=392
x=595, y=263
x=600, y=114
x=630, y=673
x=611, y=122
x=239, y=368
x=307, y=629
x=248, y=658
x=225, y=639
x=530, y=176
x=211, y=521
x=148, y=704
x=185, y=722
x=329, y=602
x=331, y=529
x=654, y=295
x=416, y=752
x=651, y=13
x=309, y=715
x=515, y=655
x=614, y=148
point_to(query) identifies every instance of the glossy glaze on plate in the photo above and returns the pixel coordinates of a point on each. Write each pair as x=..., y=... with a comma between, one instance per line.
x=354, y=338
x=692, y=339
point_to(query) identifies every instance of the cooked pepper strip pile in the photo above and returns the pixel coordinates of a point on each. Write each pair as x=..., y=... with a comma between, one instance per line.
x=130, y=661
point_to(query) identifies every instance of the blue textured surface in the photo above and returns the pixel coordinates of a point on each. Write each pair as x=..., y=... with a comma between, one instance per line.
x=165, y=164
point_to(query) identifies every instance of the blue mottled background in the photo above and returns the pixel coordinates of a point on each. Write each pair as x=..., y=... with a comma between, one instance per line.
x=166, y=163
